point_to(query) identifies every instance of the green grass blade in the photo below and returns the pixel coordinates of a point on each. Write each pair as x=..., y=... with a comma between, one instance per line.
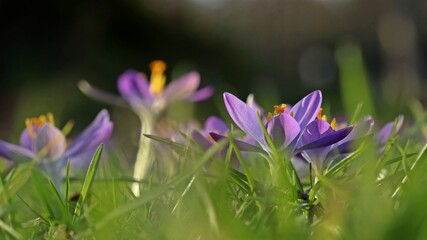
x=174, y=145
x=67, y=187
x=90, y=176
x=156, y=192
x=10, y=230
x=354, y=81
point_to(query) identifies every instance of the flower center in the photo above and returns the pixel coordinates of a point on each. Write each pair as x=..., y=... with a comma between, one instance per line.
x=277, y=110
x=36, y=122
x=158, y=79
x=325, y=118
x=210, y=138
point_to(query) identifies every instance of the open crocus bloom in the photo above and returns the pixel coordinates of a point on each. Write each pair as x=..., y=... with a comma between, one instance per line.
x=43, y=142
x=291, y=130
x=154, y=95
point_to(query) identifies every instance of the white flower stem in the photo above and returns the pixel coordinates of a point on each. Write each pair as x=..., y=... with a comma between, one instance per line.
x=144, y=157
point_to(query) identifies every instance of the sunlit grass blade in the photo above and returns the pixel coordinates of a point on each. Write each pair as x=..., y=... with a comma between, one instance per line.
x=242, y=162
x=16, y=179
x=419, y=156
x=174, y=145
x=239, y=179
x=67, y=187
x=10, y=230
x=57, y=195
x=156, y=192
x=33, y=210
x=398, y=159
x=90, y=176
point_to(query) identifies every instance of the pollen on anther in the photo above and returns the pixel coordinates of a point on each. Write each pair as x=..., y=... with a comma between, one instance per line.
x=334, y=124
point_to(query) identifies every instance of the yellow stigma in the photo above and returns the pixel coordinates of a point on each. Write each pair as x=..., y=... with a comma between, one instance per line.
x=30, y=123
x=334, y=124
x=158, y=79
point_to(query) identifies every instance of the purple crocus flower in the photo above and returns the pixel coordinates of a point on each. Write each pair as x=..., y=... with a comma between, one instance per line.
x=148, y=99
x=287, y=129
x=152, y=96
x=212, y=124
x=325, y=156
x=43, y=142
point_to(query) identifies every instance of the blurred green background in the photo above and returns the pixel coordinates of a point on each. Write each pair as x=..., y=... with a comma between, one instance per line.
x=279, y=50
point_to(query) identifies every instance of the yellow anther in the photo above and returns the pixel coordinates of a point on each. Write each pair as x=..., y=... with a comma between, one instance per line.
x=29, y=126
x=334, y=124
x=324, y=118
x=50, y=118
x=269, y=116
x=279, y=109
x=158, y=79
x=41, y=120
x=31, y=123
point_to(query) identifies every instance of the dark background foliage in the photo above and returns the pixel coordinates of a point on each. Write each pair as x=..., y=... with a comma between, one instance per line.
x=280, y=50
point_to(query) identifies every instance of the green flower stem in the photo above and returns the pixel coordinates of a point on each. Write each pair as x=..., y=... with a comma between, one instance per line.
x=144, y=157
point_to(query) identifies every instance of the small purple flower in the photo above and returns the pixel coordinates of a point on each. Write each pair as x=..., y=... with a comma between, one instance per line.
x=152, y=96
x=215, y=125
x=291, y=130
x=43, y=142
x=212, y=124
x=324, y=157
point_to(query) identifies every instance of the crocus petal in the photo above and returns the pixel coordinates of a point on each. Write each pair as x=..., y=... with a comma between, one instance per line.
x=245, y=117
x=314, y=131
x=327, y=139
x=96, y=133
x=361, y=130
x=201, y=140
x=133, y=86
x=82, y=161
x=201, y=94
x=243, y=146
x=317, y=156
x=385, y=132
x=283, y=129
x=307, y=108
x=183, y=87
x=215, y=124
x=15, y=153
x=26, y=140
x=101, y=95
x=49, y=142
